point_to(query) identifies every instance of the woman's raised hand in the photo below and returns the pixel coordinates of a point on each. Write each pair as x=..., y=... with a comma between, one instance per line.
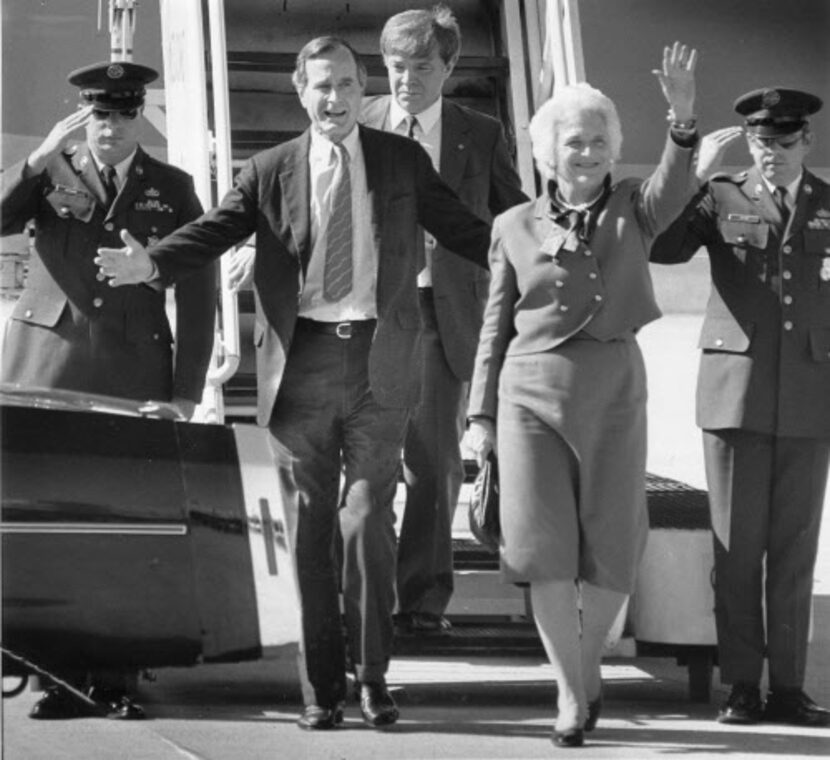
x=677, y=80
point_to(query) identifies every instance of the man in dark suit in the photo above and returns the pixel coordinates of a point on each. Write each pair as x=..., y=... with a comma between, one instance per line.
x=420, y=49
x=335, y=212
x=762, y=398
x=69, y=330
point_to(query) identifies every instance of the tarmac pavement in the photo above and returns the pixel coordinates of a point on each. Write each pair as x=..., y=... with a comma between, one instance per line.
x=461, y=708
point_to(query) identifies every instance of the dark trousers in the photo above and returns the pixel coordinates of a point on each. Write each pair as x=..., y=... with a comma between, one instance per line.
x=433, y=472
x=325, y=422
x=774, y=488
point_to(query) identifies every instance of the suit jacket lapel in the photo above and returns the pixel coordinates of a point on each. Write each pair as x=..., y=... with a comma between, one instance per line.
x=454, y=144
x=374, y=184
x=84, y=166
x=757, y=190
x=133, y=185
x=805, y=205
x=295, y=182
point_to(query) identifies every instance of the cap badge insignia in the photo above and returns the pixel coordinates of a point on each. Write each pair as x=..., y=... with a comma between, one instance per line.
x=770, y=98
x=115, y=71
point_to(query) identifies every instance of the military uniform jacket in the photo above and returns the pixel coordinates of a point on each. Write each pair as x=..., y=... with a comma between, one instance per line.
x=476, y=164
x=765, y=363
x=70, y=330
x=543, y=293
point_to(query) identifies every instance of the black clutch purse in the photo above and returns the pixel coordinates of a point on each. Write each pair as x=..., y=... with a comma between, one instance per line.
x=484, y=505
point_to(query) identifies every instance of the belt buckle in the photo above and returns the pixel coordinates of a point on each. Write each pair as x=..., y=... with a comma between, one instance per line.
x=343, y=330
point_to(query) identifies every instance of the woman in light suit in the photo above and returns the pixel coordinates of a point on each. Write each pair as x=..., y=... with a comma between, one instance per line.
x=560, y=377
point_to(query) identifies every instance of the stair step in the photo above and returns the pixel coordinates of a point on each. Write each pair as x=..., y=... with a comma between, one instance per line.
x=505, y=637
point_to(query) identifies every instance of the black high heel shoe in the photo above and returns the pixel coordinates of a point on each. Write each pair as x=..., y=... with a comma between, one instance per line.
x=571, y=737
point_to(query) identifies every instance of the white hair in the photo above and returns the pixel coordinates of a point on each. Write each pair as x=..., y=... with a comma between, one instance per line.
x=566, y=102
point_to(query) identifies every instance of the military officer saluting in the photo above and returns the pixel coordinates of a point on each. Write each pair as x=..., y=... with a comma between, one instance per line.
x=70, y=329
x=762, y=396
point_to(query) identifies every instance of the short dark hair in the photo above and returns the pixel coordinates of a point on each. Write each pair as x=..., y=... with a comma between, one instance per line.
x=417, y=33
x=317, y=47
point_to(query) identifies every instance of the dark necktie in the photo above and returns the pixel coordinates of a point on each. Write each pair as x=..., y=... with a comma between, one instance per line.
x=337, y=275
x=411, y=127
x=781, y=202
x=108, y=179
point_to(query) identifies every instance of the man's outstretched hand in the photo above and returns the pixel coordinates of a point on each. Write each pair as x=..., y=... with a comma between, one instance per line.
x=130, y=265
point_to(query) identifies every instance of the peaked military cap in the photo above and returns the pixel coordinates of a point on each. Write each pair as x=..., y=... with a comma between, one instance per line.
x=114, y=85
x=775, y=111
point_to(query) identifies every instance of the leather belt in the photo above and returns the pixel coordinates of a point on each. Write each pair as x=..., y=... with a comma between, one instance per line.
x=343, y=330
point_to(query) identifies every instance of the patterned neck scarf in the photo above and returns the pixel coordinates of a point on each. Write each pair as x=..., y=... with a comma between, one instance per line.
x=580, y=218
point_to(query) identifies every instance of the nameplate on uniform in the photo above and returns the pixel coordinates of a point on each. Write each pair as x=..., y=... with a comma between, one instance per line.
x=748, y=218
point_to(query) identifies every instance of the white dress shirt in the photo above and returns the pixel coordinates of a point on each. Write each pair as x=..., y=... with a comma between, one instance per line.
x=361, y=302
x=121, y=169
x=792, y=190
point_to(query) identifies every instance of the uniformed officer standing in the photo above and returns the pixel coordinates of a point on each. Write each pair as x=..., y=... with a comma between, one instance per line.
x=762, y=399
x=70, y=329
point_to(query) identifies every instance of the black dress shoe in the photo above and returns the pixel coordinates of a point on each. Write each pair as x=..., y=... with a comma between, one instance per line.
x=316, y=718
x=572, y=737
x=743, y=706
x=116, y=705
x=377, y=706
x=59, y=704
x=594, y=709
x=793, y=706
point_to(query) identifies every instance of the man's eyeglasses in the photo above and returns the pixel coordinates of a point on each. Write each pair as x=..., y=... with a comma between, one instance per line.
x=128, y=114
x=786, y=142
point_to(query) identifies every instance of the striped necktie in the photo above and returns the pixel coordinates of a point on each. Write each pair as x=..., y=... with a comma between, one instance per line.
x=337, y=274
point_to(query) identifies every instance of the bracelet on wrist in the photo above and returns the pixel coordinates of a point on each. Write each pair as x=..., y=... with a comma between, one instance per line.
x=682, y=125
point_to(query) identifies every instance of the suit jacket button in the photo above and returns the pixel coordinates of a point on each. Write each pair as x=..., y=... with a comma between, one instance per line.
x=787, y=274
x=788, y=325
x=787, y=249
x=719, y=342
x=155, y=336
x=597, y=297
x=788, y=299
x=592, y=275
x=29, y=313
x=587, y=252
x=741, y=239
x=109, y=226
x=560, y=284
x=563, y=307
x=64, y=212
x=97, y=302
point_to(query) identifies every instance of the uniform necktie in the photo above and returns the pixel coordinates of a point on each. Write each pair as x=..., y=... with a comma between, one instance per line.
x=781, y=202
x=337, y=275
x=411, y=127
x=108, y=179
